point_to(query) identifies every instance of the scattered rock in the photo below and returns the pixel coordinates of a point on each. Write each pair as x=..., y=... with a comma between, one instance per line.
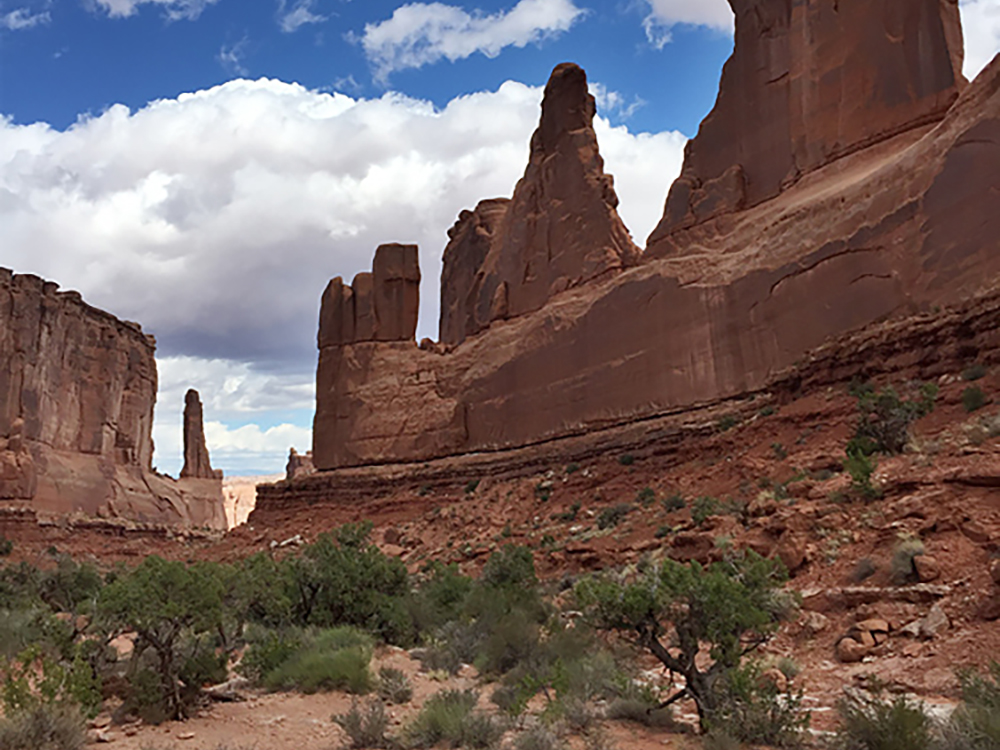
x=849, y=651
x=792, y=551
x=929, y=626
x=927, y=568
x=995, y=571
x=989, y=610
x=814, y=623
x=775, y=677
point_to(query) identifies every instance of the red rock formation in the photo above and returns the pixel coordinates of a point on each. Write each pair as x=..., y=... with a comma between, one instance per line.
x=77, y=391
x=809, y=83
x=197, y=464
x=560, y=230
x=908, y=224
x=299, y=465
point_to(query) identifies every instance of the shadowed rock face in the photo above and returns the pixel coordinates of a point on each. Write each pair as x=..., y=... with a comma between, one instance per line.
x=560, y=230
x=808, y=83
x=77, y=391
x=196, y=461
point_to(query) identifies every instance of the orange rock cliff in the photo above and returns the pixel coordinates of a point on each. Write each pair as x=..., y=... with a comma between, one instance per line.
x=848, y=174
x=77, y=392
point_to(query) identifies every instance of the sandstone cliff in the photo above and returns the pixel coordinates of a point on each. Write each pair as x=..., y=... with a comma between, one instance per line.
x=77, y=392
x=890, y=210
x=197, y=464
x=560, y=230
x=809, y=83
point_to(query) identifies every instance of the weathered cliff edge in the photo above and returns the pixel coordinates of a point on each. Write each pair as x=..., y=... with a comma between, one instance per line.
x=77, y=392
x=901, y=226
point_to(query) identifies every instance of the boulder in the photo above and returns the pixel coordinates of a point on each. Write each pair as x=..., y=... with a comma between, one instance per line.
x=927, y=568
x=849, y=651
x=995, y=570
x=792, y=551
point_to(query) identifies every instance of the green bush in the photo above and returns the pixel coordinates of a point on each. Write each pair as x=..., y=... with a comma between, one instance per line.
x=860, y=467
x=394, y=686
x=335, y=659
x=267, y=650
x=613, y=515
x=975, y=372
x=754, y=711
x=973, y=399
x=538, y=738
x=646, y=497
x=448, y=718
x=365, y=725
x=903, y=569
x=877, y=724
x=975, y=725
x=884, y=418
x=626, y=459
x=6, y=546
x=674, y=502
x=44, y=727
x=704, y=508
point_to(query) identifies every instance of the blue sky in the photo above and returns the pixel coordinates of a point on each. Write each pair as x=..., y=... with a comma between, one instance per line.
x=205, y=166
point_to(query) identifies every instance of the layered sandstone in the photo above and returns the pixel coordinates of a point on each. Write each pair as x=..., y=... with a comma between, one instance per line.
x=561, y=229
x=807, y=84
x=77, y=392
x=907, y=224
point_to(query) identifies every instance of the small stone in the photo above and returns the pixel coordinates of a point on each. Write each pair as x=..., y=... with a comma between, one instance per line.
x=792, y=552
x=935, y=621
x=849, y=651
x=776, y=678
x=989, y=610
x=927, y=568
x=814, y=623
x=995, y=571
x=186, y=736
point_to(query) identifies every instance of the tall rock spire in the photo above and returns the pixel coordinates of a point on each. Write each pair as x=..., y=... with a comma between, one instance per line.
x=196, y=460
x=561, y=229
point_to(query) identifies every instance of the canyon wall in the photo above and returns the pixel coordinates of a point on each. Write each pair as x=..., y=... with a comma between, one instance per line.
x=77, y=392
x=807, y=84
x=892, y=208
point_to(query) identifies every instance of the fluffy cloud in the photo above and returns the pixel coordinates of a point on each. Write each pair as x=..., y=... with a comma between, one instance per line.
x=218, y=217
x=23, y=18
x=174, y=9
x=423, y=33
x=981, y=25
x=292, y=18
x=665, y=14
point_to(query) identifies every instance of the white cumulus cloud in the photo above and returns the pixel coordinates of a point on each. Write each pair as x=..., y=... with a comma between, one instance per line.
x=981, y=26
x=665, y=14
x=419, y=34
x=300, y=13
x=174, y=9
x=217, y=218
x=24, y=18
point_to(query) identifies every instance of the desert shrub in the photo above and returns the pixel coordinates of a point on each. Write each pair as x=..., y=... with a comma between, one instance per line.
x=440, y=597
x=884, y=418
x=334, y=659
x=975, y=725
x=718, y=739
x=903, y=570
x=512, y=640
x=878, y=724
x=613, y=515
x=975, y=372
x=471, y=486
x=704, y=508
x=6, y=546
x=860, y=467
x=727, y=423
x=779, y=451
x=626, y=459
x=973, y=399
x=365, y=725
x=863, y=570
x=344, y=579
x=453, y=645
x=267, y=650
x=646, y=497
x=674, y=502
x=573, y=468
x=449, y=718
x=754, y=711
x=44, y=727
x=568, y=515
x=538, y=738
x=733, y=607
x=663, y=532
x=394, y=686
